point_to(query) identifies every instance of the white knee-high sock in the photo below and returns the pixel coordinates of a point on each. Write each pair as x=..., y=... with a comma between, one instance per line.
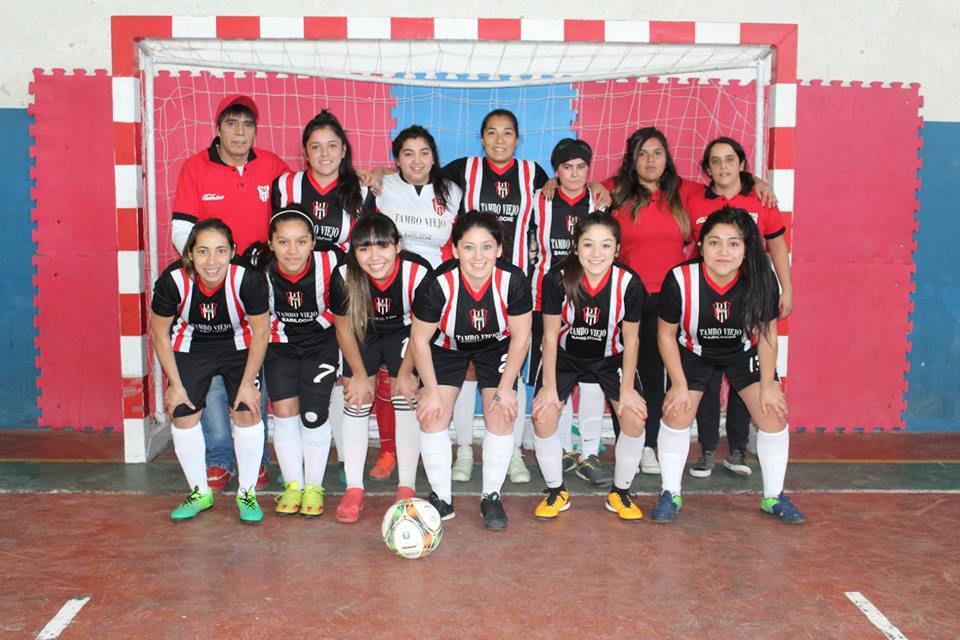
x=336, y=419
x=628, y=452
x=289, y=448
x=437, y=457
x=497, y=451
x=673, y=445
x=590, y=418
x=463, y=412
x=248, y=443
x=521, y=419
x=565, y=426
x=316, y=450
x=408, y=442
x=550, y=458
x=191, y=452
x=354, y=440
x=773, y=449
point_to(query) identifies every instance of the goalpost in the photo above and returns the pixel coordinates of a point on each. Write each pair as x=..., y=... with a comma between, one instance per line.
x=600, y=91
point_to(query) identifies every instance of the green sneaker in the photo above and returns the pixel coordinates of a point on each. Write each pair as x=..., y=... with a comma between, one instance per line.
x=248, y=506
x=194, y=504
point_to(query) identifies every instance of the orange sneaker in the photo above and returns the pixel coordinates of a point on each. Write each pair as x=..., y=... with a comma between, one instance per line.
x=405, y=493
x=386, y=463
x=348, y=511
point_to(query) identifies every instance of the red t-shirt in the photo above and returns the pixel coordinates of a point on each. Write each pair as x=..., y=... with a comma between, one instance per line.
x=653, y=244
x=209, y=188
x=700, y=203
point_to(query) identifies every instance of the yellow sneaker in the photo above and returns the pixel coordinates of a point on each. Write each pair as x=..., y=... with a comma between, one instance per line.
x=288, y=502
x=618, y=501
x=557, y=500
x=312, y=503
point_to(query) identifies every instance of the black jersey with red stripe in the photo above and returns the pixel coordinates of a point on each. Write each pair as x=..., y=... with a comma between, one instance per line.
x=711, y=317
x=594, y=330
x=507, y=192
x=472, y=320
x=209, y=318
x=331, y=223
x=392, y=301
x=552, y=225
x=300, y=305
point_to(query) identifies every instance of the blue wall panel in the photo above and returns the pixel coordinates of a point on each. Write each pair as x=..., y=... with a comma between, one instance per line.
x=18, y=375
x=933, y=399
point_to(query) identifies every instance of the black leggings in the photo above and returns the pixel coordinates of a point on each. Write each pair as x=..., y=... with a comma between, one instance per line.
x=708, y=418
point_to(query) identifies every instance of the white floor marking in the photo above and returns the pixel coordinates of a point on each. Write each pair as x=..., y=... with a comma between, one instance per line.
x=873, y=615
x=63, y=618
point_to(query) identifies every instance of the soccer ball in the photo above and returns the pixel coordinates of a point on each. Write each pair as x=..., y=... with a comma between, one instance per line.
x=412, y=528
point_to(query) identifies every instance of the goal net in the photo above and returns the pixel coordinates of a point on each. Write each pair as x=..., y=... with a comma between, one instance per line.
x=599, y=92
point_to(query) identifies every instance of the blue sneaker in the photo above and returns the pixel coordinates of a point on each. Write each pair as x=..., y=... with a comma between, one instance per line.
x=783, y=509
x=666, y=509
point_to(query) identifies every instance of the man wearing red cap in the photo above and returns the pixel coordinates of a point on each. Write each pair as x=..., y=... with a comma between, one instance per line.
x=229, y=180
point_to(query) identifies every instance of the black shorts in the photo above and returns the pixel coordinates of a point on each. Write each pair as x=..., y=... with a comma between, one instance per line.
x=603, y=371
x=378, y=350
x=197, y=368
x=451, y=366
x=535, y=357
x=309, y=376
x=742, y=369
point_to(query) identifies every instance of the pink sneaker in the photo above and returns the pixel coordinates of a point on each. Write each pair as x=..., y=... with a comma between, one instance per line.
x=405, y=493
x=348, y=511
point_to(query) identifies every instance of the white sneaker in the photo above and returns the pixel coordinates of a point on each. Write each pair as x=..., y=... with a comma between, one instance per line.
x=518, y=468
x=462, y=468
x=648, y=462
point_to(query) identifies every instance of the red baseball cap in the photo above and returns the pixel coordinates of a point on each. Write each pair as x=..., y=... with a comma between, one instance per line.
x=237, y=100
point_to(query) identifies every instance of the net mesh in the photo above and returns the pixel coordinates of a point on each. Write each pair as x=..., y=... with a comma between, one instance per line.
x=691, y=108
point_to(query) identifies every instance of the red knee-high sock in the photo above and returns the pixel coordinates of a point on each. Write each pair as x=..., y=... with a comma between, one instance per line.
x=386, y=420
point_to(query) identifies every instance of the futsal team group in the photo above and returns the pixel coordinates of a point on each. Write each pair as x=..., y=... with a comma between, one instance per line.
x=400, y=291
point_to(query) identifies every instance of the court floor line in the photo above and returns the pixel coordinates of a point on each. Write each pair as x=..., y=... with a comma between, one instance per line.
x=64, y=617
x=875, y=616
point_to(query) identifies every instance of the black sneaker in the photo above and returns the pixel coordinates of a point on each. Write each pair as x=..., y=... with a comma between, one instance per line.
x=704, y=465
x=593, y=472
x=494, y=517
x=569, y=461
x=737, y=462
x=445, y=510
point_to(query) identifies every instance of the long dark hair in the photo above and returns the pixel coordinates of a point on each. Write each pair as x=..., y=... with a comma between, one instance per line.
x=483, y=219
x=441, y=190
x=350, y=197
x=629, y=190
x=572, y=269
x=374, y=229
x=760, y=295
x=210, y=224
x=260, y=254
x=746, y=178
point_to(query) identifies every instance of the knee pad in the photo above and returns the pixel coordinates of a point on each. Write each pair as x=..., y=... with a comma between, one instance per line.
x=312, y=417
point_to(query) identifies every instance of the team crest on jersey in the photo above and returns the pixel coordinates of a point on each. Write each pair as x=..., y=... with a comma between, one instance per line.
x=571, y=223
x=478, y=318
x=208, y=311
x=264, y=191
x=438, y=207
x=503, y=188
x=320, y=210
x=591, y=315
x=295, y=299
x=382, y=305
x=721, y=310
